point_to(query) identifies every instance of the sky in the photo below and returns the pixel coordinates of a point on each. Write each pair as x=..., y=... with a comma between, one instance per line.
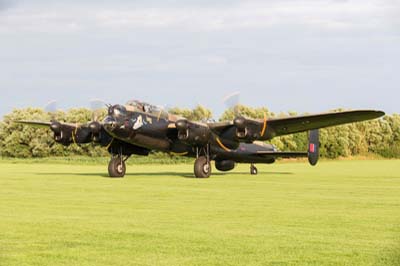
x=287, y=55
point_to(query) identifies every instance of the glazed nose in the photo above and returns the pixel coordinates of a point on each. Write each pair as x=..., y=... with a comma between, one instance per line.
x=110, y=123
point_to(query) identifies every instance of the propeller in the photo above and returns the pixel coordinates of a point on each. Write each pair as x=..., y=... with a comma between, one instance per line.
x=81, y=132
x=51, y=108
x=232, y=102
x=97, y=106
x=165, y=108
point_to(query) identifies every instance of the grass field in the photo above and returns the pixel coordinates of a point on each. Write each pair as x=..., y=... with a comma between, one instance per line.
x=340, y=213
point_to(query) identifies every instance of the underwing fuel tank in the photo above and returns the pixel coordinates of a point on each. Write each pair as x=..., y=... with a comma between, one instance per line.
x=313, y=147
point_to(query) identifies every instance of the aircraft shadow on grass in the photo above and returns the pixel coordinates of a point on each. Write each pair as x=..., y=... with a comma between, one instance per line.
x=166, y=174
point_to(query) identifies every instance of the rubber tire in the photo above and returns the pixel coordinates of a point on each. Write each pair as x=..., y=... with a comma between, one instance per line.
x=113, y=168
x=200, y=167
x=253, y=170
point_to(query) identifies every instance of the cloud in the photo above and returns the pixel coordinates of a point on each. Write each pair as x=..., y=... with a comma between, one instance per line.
x=307, y=47
x=5, y=4
x=392, y=11
x=253, y=15
x=333, y=15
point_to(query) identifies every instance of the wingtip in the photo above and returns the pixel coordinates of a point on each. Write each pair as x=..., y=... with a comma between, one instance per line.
x=23, y=121
x=380, y=113
x=374, y=113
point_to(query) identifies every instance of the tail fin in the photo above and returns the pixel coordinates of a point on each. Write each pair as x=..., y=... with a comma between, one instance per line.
x=313, y=147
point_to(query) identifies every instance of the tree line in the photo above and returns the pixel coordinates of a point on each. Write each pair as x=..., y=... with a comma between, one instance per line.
x=380, y=137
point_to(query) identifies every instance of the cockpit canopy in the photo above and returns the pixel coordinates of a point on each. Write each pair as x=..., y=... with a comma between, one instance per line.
x=138, y=106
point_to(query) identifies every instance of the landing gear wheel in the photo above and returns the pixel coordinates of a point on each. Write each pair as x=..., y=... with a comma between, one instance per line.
x=253, y=170
x=202, y=167
x=117, y=167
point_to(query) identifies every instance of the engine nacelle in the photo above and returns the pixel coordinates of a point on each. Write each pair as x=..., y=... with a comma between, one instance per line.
x=193, y=133
x=62, y=133
x=225, y=165
x=67, y=134
x=246, y=129
x=95, y=130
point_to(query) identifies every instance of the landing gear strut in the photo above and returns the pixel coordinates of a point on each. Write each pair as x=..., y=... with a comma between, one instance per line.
x=253, y=169
x=117, y=166
x=202, y=165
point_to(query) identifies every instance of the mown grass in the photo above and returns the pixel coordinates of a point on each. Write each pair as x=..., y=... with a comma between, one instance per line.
x=340, y=213
x=154, y=158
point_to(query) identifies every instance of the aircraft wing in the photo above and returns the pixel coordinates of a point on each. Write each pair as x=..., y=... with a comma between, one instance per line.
x=284, y=126
x=68, y=133
x=34, y=123
x=42, y=124
x=249, y=130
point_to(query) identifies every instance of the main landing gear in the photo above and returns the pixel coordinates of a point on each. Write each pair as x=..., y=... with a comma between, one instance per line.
x=202, y=165
x=117, y=166
x=253, y=169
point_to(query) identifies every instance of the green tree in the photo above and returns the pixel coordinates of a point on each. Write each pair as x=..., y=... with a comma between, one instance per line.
x=199, y=113
x=23, y=141
x=381, y=136
x=249, y=112
x=20, y=141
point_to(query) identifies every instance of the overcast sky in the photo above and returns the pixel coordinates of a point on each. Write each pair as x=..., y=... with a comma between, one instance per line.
x=287, y=55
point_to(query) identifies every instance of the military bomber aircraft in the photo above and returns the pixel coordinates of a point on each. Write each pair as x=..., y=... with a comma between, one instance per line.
x=138, y=128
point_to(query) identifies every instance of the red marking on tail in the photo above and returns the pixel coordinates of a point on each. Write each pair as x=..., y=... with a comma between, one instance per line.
x=312, y=147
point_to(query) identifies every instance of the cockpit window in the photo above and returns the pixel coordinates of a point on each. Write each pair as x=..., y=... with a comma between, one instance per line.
x=138, y=106
x=147, y=108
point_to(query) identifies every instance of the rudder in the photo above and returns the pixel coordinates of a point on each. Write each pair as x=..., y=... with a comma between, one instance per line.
x=313, y=147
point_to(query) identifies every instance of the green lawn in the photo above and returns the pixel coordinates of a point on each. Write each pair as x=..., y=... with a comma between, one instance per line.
x=339, y=213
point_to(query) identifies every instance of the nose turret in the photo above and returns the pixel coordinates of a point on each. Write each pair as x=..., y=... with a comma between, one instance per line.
x=117, y=111
x=110, y=123
x=116, y=117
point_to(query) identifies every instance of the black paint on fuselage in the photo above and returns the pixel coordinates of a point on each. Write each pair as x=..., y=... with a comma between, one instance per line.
x=152, y=132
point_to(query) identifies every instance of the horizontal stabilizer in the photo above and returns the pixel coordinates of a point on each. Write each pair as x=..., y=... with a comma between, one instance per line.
x=283, y=154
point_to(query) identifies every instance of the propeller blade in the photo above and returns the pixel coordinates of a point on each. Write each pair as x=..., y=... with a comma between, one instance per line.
x=51, y=108
x=232, y=101
x=165, y=108
x=97, y=106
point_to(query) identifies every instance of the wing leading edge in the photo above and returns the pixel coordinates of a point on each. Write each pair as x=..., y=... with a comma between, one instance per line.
x=284, y=126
